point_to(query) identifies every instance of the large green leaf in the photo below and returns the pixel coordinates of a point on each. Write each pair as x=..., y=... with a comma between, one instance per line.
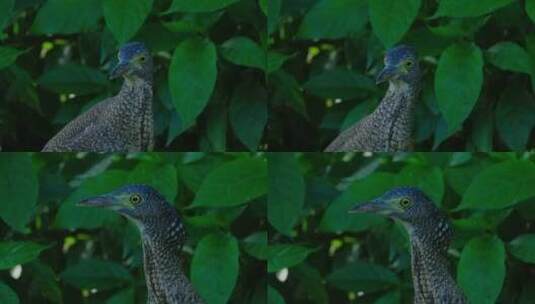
x=515, y=117
x=7, y=295
x=510, y=56
x=215, y=267
x=248, y=114
x=162, y=177
x=390, y=30
x=332, y=19
x=286, y=256
x=8, y=56
x=530, y=9
x=233, y=183
x=457, y=90
x=199, y=5
x=337, y=219
x=71, y=216
x=6, y=6
x=244, y=51
x=125, y=17
x=192, y=77
x=286, y=191
x=339, y=83
x=125, y=296
x=18, y=188
x=274, y=297
x=523, y=247
x=481, y=269
x=13, y=253
x=360, y=276
x=73, y=78
x=94, y=273
x=67, y=16
x=256, y=245
x=501, y=185
x=462, y=8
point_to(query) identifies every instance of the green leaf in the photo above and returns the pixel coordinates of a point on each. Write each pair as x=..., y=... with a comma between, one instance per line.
x=14, y=253
x=67, y=17
x=7, y=295
x=248, y=114
x=530, y=9
x=162, y=177
x=45, y=280
x=337, y=219
x=6, y=7
x=510, y=56
x=192, y=77
x=8, y=56
x=199, y=5
x=428, y=179
x=360, y=276
x=457, y=90
x=286, y=256
x=339, y=83
x=523, y=248
x=215, y=267
x=333, y=19
x=125, y=296
x=99, y=274
x=73, y=78
x=233, y=183
x=273, y=11
x=256, y=245
x=71, y=216
x=274, y=297
x=501, y=185
x=515, y=117
x=286, y=195
x=481, y=269
x=125, y=17
x=244, y=51
x=391, y=30
x=462, y=8
x=19, y=188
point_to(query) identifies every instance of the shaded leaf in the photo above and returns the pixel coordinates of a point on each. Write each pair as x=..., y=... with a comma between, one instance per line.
x=199, y=5
x=67, y=17
x=461, y=8
x=94, y=273
x=523, y=248
x=73, y=78
x=286, y=256
x=124, y=18
x=391, y=30
x=360, y=276
x=7, y=295
x=13, y=253
x=248, y=114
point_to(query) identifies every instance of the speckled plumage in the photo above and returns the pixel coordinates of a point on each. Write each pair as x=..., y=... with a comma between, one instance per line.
x=389, y=128
x=430, y=233
x=120, y=123
x=162, y=235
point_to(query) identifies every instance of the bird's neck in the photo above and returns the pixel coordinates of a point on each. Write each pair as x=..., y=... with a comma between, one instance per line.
x=394, y=116
x=135, y=103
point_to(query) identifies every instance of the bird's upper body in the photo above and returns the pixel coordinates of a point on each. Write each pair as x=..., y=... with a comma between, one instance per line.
x=121, y=123
x=430, y=233
x=389, y=128
x=162, y=235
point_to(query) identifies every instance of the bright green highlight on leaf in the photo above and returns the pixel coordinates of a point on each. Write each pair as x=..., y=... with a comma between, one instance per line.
x=481, y=269
x=215, y=267
x=19, y=188
x=234, y=183
x=192, y=77
x=457, y=89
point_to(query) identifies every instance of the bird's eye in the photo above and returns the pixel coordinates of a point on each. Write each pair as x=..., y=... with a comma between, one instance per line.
x=135, y=199
x=408, y=63
x=142, y=58
x=405, y=202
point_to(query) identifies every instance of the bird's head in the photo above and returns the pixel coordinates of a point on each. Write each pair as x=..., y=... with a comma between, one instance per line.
x=140, y=203
x=401, y=65
x=407, y=204
x=135, y=62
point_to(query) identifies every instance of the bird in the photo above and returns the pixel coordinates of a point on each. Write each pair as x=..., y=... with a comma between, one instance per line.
x=162, y=236
x=430, y=234
x=121, y=123
x=389, y=127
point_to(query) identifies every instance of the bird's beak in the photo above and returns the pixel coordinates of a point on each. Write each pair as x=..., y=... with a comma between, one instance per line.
x=388, y=73
x=104, y=201
x=119, y=70
x=373, y=206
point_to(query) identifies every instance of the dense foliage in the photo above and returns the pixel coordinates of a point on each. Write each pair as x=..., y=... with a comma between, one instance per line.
x=209, y=78
x=321, y=254
x=52, y=251
x=477, y=58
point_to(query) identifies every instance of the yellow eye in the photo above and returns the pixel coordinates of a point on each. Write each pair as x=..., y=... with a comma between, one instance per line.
x=405, y=202
x=135, y=199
